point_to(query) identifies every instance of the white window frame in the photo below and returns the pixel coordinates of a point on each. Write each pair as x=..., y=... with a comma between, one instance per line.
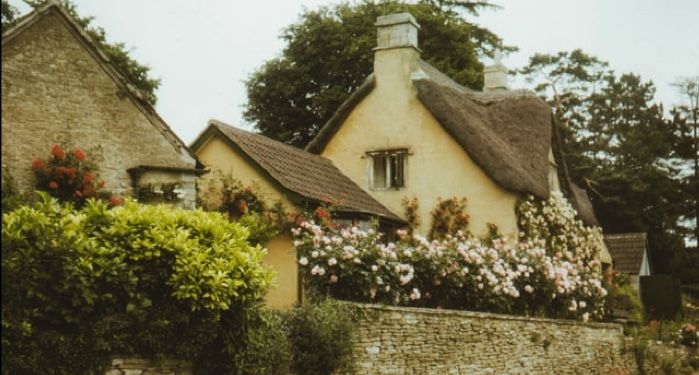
x=387, y=155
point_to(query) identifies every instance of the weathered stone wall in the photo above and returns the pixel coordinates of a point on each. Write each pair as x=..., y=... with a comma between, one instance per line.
x=144, y=366
x=392, y=340
x=54, y=90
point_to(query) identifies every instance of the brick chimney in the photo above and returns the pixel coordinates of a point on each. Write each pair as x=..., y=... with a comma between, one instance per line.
x=396, y=54
x=495, y=76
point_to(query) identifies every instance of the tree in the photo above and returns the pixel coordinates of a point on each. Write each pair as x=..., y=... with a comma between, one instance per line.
x=136, y=73
x=329, y=53
x=685, y=119
x=617, y=144
x=9, y=14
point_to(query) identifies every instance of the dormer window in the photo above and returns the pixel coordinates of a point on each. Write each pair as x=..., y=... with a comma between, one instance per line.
x=387, y=169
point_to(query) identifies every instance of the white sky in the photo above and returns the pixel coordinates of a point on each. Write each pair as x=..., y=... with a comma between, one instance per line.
x=203, y=50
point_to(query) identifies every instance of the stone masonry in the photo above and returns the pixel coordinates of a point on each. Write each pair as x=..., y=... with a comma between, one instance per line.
x=144, y=366
x=396, y=340
x=57, y=89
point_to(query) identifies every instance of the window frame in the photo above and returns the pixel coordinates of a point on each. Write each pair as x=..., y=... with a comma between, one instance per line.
x=390, y=177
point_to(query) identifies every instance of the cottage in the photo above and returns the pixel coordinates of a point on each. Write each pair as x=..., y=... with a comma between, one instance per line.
x=411, y=131
x=59, y=87
x=298, y=179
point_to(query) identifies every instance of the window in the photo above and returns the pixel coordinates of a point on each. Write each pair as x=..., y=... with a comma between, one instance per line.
x=387, y=169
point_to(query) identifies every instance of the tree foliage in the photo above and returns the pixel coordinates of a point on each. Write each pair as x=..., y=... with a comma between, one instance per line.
x=119, y=55
x=685, y=119
x=329, y=53
x=617, y=144
x=9, y=14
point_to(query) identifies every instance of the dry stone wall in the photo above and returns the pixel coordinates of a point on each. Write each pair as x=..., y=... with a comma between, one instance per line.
x=392, y=340
x=145, y=366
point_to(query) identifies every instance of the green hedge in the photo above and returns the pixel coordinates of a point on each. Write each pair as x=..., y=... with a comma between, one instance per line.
x=79, y=285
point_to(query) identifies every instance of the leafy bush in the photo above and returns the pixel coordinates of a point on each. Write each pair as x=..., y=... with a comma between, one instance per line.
x=321, y=337
x=266, y=350
x=245, y=204
x=80, y=284
x=624, y=297
x=535, y=276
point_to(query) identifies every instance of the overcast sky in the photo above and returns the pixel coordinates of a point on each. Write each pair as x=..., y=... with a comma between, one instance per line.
x=203, y=50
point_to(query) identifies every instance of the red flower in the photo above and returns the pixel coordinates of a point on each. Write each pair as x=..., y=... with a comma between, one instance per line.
x=79, y=154
x=38, y=164
x=242, y=206
x=87, y=191
x=60, y=170
x=321, y=212
x=87, y=178
x=57, y=152
x=101, y=184
x=116, y=200
x=53, y=185
x=71, y=172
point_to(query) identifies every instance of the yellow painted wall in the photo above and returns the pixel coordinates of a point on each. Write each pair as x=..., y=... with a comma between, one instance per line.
x=216, y=154
x=390, y=117
x=282, y=257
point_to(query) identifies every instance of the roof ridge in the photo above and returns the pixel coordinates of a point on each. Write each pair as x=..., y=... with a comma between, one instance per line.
x=108, y=66
x=219, y=123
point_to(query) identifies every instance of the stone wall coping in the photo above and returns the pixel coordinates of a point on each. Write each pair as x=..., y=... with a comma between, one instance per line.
x=482, y=315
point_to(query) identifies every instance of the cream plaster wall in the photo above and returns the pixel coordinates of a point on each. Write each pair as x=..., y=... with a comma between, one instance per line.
x=390, y=117
x=218, y=155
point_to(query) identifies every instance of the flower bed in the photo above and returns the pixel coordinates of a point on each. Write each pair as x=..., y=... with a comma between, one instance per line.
x=555, y=276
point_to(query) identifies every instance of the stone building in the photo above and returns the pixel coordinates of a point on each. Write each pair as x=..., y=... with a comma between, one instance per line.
x=58, y=87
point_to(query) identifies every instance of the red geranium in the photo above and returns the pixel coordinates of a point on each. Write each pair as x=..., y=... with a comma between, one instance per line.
x=321, y=212
x=116, y=200
x=87, y=178
x=53, y=185
x=79, y=154
x=38, y=164
x=57, y=152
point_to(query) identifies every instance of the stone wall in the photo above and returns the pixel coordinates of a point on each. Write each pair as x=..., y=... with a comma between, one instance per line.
x=57, y=90
x=393, y=340
x=144, y=366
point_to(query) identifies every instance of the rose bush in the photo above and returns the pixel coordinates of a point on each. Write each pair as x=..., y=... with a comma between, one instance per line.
x=537, y=276
x=69, y=176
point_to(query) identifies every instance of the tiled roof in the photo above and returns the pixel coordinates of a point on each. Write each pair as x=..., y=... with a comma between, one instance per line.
x=627, y=250
x=311, y=176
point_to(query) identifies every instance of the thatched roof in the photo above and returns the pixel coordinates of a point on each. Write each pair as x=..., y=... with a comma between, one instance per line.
x=627, y=250
x=509, y=139
x=507, y=133
x=312, y=177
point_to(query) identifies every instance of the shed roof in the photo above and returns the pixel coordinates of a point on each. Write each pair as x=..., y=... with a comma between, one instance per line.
x=627, y=251
x=311, y=176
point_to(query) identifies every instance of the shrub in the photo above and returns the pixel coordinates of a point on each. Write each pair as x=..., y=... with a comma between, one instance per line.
x=454, y=272
x=245, y=204
x=68, y=176
x=132, y=279
x=321, y=337
x=622, y=296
